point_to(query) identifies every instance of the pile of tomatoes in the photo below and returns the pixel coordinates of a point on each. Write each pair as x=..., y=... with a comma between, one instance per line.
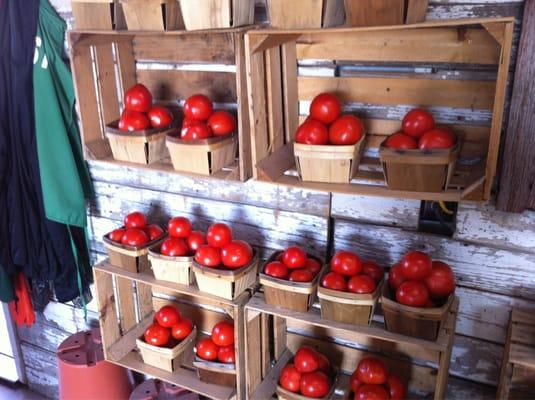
x=349, y=274
x=418, y=131
x=136, y=232
x=326, y=124
x=219, y=347
x=309, y=374
x=418, y=281
x=372, y=381
x=201, y=122
x=169, y=328
x=182, y=240
x=139, y=113
x=294, y=265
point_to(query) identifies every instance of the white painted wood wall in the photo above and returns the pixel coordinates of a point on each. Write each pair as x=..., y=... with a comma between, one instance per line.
x=493, y=253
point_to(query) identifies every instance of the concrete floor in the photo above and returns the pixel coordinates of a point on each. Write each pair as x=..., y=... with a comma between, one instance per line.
x=16, y=391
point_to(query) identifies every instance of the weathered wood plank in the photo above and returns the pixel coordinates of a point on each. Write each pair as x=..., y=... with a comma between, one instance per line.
x=476, y=359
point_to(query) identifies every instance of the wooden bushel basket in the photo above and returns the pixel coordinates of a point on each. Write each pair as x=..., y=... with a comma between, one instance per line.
x=418, y=170
x=140, y=147
x=169, y=359
x=216, y=373
x=423, y=323
x=298, y=296
x=329, y=164
x=302, y=14
x=228, y=284
x=384, y=12
x=130, y=258
x=283, y=394
x=171, y=269
x=152, y=15
x=216, y=14
x=346, y=307
x=205, y=156
x=98, y=14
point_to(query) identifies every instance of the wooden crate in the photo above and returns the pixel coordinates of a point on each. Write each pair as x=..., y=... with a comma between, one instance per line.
x=126, y=302
x=329, y=164
x=152, y=15
x=423, y=323
x=517, y=377
x=173, y=65
x=298, y=296
x=214, y=372
x=228, y=284
x=277, y=91
x=417, y=170
x=168, y=359
x=297, y=14
x=171, y=269
x=350, y=308
x=205, y=156
x=385, y=12
x=98, y=14
x=216, y=14
x=272, y=334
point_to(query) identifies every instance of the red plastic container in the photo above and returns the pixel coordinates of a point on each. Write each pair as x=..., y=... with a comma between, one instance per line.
x=154, y=389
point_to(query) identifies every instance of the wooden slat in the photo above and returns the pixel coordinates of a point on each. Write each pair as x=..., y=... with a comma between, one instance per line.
x=523, y=334
x=126, y=64
x=290, y=95
x=523, y=317
x=144, y=299
x=107, y=83
x=274, y=98
x=295, y=14
x=265, y=344
x=423, y=92
x=238, y=315
x=253, y=351
x=374, y=12
x=279, y=336
x=126, y=301
x=523, y=355
x=109, y=324
x=397, y=45
x=416, y=11
x=172, y=85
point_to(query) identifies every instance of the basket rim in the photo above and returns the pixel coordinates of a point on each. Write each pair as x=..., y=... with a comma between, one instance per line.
x=154, y=252
x=350, y=297
x=214, y=366
x=198, y=142
x=172, y=352
x=112, y=128
x=124, y=247
x=417, y=152
x=332, y=148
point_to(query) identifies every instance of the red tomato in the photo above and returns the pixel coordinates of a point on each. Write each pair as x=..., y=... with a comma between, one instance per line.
x=301, y=275
x=196, y=131
x=346, y=263
x=227, y=355
x=222, y=123
x=138, y=98
x=116, y=235
x=157, y=335
x=313, y=266
x=219, y=235
x=208, y=256
x=372, y=269
x=207, y=349
x=134, y=237
x=441, y=282
x=312, y=132
x=395, y=276
x=167, y=316
x=314, y=384
x=396, y=387
x=334, y=281
x=131, y=121
x=182, y=329
x=236, y=254
x=195, y=239
x=416, y=265
x=371, y=392
x=294, y=257
x=179, y=227
x=325, y=108
x=412, y=293
x=154, y=231
x=416, y=122
x=135, y=220
x=186, y=123
x=430, y=304
x=290, y=378
x=323, y=363
x=198, y=107
x=306, y=359
x=438, y=138
x=361, y=284
x=160, y=117
x=223, y=333
x=354, y=382
x=276, y=269
x=346, y=130
x=371, y=370
x=401, y=141
x=174, y=247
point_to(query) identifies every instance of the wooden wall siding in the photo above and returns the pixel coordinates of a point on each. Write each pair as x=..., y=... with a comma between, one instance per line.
x=492, y=252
